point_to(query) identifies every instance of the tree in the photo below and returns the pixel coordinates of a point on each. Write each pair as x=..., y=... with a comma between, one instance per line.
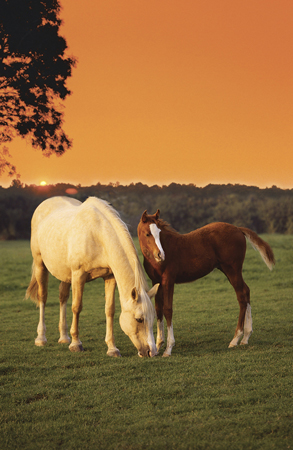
x=33, y=74
x=5, y=165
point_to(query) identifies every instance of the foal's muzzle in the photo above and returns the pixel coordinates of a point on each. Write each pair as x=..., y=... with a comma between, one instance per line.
x=159, y=257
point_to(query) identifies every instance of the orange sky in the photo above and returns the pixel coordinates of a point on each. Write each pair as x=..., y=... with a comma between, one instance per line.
x=189, y=91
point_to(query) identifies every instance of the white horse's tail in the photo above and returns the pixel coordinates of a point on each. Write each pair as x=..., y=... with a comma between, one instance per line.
x=32, y=290
x=258, y=244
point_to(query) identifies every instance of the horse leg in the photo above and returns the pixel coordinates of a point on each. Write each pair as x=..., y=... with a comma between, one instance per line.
x=110, y=284
x=41, y=274
x=168, y=312
x=78, y=282
x=245, y=319
x=159, y=303
x=64, y=289
x=243, y=296
x=247, y=325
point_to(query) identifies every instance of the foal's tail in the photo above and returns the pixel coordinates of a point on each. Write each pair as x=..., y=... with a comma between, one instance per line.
x=260, y=245
x=32, y=290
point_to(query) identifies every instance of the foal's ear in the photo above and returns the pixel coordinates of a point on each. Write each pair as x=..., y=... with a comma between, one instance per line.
x=157, y=215
x=134, y=294
x=152, y=292
x=144, y=216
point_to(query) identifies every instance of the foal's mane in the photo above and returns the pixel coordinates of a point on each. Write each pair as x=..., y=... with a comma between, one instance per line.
x=165, y=226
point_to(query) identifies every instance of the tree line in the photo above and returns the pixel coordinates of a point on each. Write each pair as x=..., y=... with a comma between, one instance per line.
x=185, y=207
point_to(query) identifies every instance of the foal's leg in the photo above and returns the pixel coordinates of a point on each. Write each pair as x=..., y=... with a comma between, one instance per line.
x=159, y=305
x=64, y=289
x=78, y=282
x=243, y=297
x=168, y=312
x=110, y=284
x=41, y=274
x=247, y=325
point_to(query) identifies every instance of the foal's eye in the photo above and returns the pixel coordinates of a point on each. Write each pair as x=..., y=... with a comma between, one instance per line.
x=140, y=320
x=148, y=234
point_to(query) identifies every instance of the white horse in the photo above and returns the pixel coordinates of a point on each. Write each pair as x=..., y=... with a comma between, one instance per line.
x=78, y=242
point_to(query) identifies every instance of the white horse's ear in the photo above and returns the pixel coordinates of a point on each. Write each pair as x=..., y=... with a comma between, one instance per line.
x=152, y=292
x=134, y=294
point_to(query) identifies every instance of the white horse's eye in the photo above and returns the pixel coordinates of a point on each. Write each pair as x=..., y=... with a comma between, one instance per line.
x=140, y=320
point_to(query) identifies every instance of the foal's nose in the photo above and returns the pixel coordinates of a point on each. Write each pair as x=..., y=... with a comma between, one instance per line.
x=158, y=256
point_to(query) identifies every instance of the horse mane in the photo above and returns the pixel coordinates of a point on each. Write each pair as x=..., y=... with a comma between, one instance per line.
x=142, y=287
x=125, y=238
x=114, y=218
x=165, y=226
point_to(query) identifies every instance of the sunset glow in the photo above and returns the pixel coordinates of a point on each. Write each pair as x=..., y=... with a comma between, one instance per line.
x=189, y=92
x=43, y=183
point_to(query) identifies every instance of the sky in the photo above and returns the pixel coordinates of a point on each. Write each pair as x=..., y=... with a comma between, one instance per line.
x=184, y=91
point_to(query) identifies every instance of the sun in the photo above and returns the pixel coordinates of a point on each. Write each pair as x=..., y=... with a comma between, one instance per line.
x=43, y=183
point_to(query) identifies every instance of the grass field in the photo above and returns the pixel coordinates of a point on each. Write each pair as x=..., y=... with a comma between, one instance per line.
x=205, y=396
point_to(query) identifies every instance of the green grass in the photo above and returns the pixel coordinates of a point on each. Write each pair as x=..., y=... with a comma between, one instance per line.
x=205, y=396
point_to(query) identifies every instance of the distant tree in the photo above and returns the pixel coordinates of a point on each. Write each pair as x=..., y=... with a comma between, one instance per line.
x=33, y=74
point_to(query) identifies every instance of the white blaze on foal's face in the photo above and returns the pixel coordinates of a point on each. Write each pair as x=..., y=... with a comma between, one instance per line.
x=155, y=231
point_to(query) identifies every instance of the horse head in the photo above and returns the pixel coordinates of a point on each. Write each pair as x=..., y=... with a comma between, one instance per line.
x=137, y=318
x=149, y=237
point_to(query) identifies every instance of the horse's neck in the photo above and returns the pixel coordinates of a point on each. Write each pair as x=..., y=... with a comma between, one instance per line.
x=168, y=238
x=122, y=260
x=122, y=255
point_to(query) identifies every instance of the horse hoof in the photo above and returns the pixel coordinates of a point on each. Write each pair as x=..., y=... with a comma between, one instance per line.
x=64, y=340
x=159, y=346
x=76, y=348
x=232, y=345
x=40, y=342
x=165, y=355
x=114, y=353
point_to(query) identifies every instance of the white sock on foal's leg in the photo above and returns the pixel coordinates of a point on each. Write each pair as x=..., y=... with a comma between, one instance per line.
x=160, y=334
x=247, y=325
x=170, y=341
x=235, y=339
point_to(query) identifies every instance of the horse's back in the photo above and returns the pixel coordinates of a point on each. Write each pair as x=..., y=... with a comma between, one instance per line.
x=218, y=235
x=222, y=240
x=206, y=249
x=51, y=205
x=68, y=235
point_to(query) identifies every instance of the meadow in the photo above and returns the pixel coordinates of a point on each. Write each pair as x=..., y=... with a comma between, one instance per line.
x=205, y=396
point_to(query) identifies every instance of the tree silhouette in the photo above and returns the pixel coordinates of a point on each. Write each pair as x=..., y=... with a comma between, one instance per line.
x=33, y=74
